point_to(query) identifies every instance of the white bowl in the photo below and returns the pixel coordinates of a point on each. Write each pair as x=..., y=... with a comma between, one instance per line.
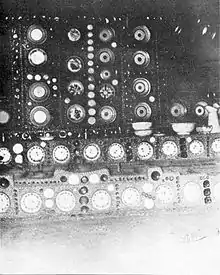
x=142, y=133
x=183, y=128
x=141, y=125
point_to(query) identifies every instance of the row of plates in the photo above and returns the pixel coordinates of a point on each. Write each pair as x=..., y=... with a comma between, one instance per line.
x=73, y=193
x=92, y=151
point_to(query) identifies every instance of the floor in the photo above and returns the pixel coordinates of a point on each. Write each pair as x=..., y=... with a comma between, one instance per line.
x=162, y=244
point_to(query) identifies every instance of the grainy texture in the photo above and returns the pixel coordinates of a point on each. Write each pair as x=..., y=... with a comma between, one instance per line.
x=165, y=244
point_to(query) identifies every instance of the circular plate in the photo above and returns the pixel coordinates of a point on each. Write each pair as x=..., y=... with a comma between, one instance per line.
x=142, y=86
x=108, y=114
x=106, y=34
x=105, y=74
x=216, y=145
x=169, y=148
x=142, y=110
x=116, y=151
x=37, y=57
x=131, y=197
x=76, y=113
x=164, y=194
x=145, y=150
x=65, y=201
x=196, y=147
x=74, y=64
x=61, y=154
x=36, y=154
x=39, y=116
x=141, y=58
x=106, y=91
x=5, y=155
x=36, y=34
x=92, y=152
x=142, y=33
x=4, y=117
x=106, y=55
x=101, y=200
x=74, y=35
x=39, y=91
x=4, y=202
x=75, y=87
x=31, y=203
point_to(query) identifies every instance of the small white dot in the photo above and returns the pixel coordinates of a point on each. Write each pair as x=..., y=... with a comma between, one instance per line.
x=45, y=77
x=91, y=78
x=37, y=77
x=91, y=120
x=90, y=34
x=67, y=100
x=91, y=71
x=18, y=148
x=48, y=81
x=152, y=139
x=115, y=82
x=91, y=94
x=54, y=87
x=91, y=103
x=90, y=55
x=151, y=98
x=114, y=44
x=54, y=80
x=49, y=203
x=91, y=112
x=149, y=203
x=29, y=104
x=188, y=139
x=48, y=193
x=90, y=27
x=19, y=159
x=29, y=76
x=90, y=63
x=90, y=42
x=111, y=187
x=90, y=49
x=43, y=144
x=91, y=87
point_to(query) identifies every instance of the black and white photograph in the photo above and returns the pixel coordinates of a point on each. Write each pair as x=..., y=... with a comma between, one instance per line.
x=110, y=137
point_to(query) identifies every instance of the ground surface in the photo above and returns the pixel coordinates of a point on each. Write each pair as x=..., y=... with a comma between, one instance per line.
x=164, y=244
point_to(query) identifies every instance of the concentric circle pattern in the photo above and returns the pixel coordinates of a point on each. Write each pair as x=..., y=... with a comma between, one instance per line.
x=65, y=201
x=101, y=200
x=31, y=203
x=131, y=197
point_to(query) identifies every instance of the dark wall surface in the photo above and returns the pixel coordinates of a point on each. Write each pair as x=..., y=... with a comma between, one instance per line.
x=108, y=7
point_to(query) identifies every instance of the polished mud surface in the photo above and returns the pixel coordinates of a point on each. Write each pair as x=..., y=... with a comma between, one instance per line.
x=163, y=244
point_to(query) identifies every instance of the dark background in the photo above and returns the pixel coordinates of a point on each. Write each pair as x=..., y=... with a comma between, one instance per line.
x=116, y=7
x=189, y=61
